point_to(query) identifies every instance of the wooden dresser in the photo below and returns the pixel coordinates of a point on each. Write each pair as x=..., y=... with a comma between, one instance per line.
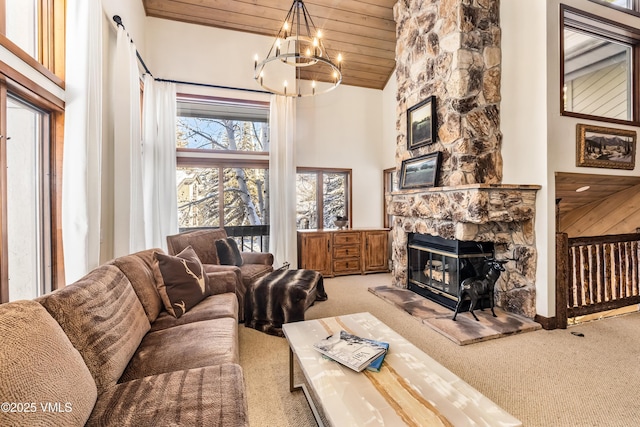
x=342, y=252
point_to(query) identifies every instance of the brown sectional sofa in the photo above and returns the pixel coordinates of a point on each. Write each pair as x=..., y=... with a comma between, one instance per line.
x=109, y=354
x=254, y=265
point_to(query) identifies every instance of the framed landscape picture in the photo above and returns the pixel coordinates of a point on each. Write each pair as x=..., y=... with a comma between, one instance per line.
x=421, y=123
x=602, y=147
x=421, y=171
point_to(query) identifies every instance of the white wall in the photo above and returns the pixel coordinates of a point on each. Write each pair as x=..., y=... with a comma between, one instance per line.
x=561, y=130
x=340, y=129
x=343, y=129
x=133, y=18
x=523, y=122
x=538, y=141
x=200, y=54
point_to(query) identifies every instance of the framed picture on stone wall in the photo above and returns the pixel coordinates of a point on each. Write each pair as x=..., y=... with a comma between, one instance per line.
x=421, y=123
x=602, y=147
x=420, y=171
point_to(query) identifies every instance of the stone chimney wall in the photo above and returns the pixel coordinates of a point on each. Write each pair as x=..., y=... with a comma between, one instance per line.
x=451, y=49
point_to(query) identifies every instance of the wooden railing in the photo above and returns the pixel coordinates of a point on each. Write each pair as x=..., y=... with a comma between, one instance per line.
x=595, y=274
x=250, y=238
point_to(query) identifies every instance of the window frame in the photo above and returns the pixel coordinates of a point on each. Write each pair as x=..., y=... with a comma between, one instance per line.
x=20, y=86
x=598, y=26
x=221, y=159
x=319, y=191
x=635, y=10
x=51, y=40
x=389, y=184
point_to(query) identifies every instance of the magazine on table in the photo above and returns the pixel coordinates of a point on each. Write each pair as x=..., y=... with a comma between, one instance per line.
x=377, y=363
x=351, y=350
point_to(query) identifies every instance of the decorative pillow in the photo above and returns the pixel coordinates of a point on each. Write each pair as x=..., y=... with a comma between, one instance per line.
x=228, y=252
x=185, y=281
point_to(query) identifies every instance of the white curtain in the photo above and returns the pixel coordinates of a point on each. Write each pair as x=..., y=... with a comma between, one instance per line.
x=159, y=162
x=81, y=193
x=128, y=218
x=282, y=181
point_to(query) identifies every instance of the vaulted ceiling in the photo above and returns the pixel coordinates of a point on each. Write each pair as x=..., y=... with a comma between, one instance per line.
x=363, y=31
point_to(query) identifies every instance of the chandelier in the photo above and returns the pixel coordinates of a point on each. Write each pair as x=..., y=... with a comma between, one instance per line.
x=298, y=64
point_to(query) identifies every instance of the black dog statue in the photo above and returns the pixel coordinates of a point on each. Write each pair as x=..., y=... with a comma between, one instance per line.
x=476, y=288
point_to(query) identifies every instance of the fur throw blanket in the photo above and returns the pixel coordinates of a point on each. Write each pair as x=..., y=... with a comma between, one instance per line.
x=281, y=297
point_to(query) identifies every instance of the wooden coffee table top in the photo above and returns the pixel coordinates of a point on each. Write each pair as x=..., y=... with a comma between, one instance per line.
x=411, y=388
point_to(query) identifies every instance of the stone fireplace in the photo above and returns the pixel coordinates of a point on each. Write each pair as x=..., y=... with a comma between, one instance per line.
x=451, y=49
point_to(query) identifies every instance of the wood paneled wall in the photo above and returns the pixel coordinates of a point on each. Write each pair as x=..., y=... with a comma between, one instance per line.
x=616, y=214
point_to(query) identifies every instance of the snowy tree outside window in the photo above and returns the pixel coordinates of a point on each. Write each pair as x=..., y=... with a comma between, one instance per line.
x=223, y=166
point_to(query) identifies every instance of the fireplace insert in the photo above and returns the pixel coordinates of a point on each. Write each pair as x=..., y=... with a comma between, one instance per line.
x=437, y=266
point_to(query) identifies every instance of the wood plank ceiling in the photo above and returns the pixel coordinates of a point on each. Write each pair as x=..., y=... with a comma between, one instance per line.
x=600, y=187
x=363, y=31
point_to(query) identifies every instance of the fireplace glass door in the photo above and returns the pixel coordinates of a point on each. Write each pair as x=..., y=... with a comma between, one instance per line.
x=437, y=266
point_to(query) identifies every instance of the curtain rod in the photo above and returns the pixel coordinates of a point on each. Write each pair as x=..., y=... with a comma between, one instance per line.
x=118, y=20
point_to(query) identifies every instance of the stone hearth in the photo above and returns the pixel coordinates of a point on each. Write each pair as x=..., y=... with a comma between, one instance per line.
x=502, y=214
x=451, y=49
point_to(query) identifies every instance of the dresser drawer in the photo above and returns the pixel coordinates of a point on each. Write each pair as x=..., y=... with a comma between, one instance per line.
x=346, y=237
x=346, y=251
x=346, y=266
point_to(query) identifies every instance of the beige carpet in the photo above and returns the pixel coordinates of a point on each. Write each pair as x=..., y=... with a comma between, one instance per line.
x=544, y=378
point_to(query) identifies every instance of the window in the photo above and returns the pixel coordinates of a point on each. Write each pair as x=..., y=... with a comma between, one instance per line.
x=34, y=31
x=28, y=200
x=633, y=5
x=27, y=216
x=31, y=261
x=223, y=167
x=599, y=77
x=322, y=195
x=21, y=24
x=390, y=185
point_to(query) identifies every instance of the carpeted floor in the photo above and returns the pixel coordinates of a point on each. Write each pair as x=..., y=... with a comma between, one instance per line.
x=544, y=378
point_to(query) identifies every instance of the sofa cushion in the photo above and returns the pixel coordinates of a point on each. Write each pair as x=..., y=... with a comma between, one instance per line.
x=228, y=252
x=185, y=282
x=214, y=395
x=202, y=241
x=213, y=307
x=193, y=345
x=38, y=364
x=251, y=272
x=142, y=271
x=104, y=320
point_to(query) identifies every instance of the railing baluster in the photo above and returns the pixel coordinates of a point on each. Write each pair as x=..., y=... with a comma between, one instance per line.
x=601, y=276
x=604, y=273
x=634, y=272
x=246, y=235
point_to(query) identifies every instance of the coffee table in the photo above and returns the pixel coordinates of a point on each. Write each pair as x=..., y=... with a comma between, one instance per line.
x=410, y=389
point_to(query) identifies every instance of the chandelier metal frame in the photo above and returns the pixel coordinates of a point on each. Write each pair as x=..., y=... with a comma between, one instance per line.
x=298, y=50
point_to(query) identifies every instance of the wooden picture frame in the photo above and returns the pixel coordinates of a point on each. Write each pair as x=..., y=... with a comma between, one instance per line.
x=420, y=171
x=421, y=124
x=602, y=147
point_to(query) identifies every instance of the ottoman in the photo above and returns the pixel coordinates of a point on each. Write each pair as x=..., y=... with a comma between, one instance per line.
x=281, y=297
